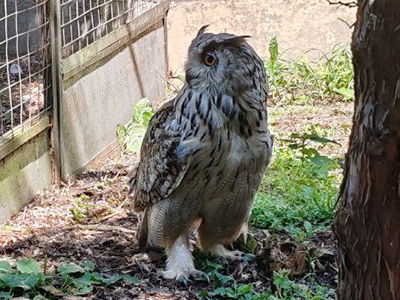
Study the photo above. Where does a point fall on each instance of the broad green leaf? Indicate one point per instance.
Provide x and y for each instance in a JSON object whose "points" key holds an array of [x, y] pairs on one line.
{"points": [[113, 279], [324, 161], [6, 295], [52, 290], [222, 278], [308, 226], [244, 289], [70, 268], [24, 281], [86, 279], [348, 94], [308, 191], [39, 297], [130, 279], [221, 291], [27, 266], [88, 266], [316, 138], [5, 267], [97, 277], [82, 290]]}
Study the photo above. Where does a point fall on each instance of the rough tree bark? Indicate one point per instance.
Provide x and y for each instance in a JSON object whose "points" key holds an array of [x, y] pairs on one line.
{"points": [[367, 224]]}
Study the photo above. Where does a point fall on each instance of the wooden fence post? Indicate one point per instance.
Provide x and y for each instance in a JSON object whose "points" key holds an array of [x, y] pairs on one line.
{"points": [[56, 60]]}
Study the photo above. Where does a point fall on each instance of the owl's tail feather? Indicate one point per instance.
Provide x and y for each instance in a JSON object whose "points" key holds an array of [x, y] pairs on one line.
{"points": [[143, 230]]}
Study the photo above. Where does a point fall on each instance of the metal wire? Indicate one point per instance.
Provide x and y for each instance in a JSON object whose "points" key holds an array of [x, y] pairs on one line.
{"points": [[24, 64], [86, 21]]}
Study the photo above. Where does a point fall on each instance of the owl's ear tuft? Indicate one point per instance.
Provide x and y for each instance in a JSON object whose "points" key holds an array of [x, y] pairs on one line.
{"points": [[236, 41], [202, 30]]}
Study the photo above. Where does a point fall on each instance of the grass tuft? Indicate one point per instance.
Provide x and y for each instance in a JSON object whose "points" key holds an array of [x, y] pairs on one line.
{"points": [[299, 191], [302, 81]]}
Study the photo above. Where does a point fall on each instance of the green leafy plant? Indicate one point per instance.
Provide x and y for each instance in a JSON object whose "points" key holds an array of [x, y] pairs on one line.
{"points": [[82, 209], [286, 289], [224, 286], [212, 269], [27, 278], [299, 80], [131, 135], [299, 192], [235, 291]]}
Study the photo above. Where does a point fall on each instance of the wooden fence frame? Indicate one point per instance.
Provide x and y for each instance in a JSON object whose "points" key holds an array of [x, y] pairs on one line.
{"points": [[64, 73]]}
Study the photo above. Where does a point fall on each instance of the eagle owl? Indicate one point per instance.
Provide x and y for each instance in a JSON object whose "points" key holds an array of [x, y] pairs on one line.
{"points": [[204, 154]]}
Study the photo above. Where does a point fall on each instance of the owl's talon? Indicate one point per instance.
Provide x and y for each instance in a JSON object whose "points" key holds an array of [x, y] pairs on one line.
{"points": [[183, 280], [223, 260], [183, 277], [199, 275]]}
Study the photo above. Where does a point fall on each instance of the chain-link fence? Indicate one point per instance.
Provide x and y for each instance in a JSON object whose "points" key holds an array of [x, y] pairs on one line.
{"points": [[25, 79]]}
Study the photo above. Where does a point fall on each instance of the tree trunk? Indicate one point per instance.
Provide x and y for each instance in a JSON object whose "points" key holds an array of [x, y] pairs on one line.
{"points": [[367, 224]]}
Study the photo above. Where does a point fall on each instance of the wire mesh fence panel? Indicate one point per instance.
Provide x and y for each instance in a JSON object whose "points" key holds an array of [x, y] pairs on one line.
{"points": [[86, 21], [25, 79]]}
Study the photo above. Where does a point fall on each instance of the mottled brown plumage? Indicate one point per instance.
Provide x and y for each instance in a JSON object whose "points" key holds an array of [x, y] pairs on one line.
{"points": [[204, 153]]}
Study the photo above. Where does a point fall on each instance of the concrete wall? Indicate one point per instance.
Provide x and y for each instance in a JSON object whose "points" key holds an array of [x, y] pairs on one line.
{"points": [[26, 21], [299, 25]]}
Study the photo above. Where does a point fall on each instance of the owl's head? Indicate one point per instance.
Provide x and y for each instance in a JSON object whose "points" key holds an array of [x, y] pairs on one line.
{"points": [[223, 63]]}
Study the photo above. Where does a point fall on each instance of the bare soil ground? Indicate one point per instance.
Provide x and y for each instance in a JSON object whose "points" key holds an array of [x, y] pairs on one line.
{"points": [[89, 219]]}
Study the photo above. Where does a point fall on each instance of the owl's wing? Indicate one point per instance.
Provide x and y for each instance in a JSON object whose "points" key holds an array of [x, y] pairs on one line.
{"points": [[160, 169]]}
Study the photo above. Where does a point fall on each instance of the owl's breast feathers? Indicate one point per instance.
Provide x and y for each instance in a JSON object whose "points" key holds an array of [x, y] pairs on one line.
{"points": [[197, 132]]}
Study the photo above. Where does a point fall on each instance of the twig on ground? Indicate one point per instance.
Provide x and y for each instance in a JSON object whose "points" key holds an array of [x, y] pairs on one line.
{"points": [[103, 228], [342, 3]]}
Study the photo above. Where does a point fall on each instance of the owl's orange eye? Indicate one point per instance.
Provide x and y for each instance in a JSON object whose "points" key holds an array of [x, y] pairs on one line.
{"points": [[209, 60]]}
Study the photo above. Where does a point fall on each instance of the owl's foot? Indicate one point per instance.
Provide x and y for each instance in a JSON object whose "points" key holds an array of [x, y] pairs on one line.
{"points": [[183, 276], [225, 254], [180, 264], [220, 250]]}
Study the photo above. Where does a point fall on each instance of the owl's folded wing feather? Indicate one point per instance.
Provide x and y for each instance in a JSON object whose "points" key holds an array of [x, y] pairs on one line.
{"points": [[159, 170]]}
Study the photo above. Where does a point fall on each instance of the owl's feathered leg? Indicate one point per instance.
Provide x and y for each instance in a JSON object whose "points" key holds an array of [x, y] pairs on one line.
{"points": [[180, 264], [213, 243]]}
